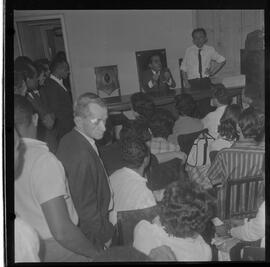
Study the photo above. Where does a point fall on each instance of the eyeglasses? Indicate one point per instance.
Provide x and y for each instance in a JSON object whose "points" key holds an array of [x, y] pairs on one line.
{"points": [[96, 121]]}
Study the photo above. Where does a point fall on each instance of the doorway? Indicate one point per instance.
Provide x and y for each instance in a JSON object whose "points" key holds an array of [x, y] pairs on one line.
{"points": [[40, 38]]}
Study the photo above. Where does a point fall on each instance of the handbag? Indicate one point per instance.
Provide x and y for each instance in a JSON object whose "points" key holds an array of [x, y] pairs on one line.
{"points": [[199, 153]]}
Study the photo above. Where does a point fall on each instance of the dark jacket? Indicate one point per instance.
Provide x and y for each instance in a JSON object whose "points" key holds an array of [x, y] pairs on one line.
{"points": [[161, 86], [88, 185], [60, 103]]}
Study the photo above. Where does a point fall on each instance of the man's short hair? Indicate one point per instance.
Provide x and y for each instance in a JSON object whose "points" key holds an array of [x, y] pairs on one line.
{"points": [[143, 104], [81, 106], [133, 152], [221, 94], [23, 111], [249, 123], [199, 30]]}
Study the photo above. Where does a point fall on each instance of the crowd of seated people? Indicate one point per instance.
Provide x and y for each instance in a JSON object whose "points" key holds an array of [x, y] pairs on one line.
{"points": [[71, 186]]}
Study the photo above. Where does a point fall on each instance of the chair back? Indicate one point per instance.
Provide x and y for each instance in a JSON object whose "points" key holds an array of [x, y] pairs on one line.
{"points": [[186, 141], [212, 156], [242, 197], [127, 220]]}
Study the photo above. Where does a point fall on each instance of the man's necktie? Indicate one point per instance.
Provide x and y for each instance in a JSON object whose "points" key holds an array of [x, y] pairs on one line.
{"points": [[200, 62]]}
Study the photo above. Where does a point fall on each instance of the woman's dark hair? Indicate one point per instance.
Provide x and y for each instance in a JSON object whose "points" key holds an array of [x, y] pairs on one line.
{"points": [[135, 129], [228, 130], [186, 105], [231, 112], [166, 115], [143, 105], [160, 127], [221, 94], [185, 209], [21, 61], [249, 123]]}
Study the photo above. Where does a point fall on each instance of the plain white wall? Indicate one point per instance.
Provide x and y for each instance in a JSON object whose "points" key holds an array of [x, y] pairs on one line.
{"points": [[101, 38]]}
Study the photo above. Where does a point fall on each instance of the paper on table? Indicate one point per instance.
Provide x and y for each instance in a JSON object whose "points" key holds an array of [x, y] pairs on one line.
{"points": [[234, 81]]}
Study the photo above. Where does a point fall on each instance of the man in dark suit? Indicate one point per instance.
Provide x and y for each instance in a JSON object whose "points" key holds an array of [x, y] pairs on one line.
{"points": [[157, 78], [58, 98], [88, 181]]}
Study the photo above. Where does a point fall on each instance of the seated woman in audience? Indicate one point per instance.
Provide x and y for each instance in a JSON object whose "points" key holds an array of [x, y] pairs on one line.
{"points": [[142, 107], [159, 145], [221, 100], [184, 212], [227, 128], [128, 183], [187, 121]]}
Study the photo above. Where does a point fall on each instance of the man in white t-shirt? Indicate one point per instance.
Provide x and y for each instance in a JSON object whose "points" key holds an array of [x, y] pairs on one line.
{"points": [[42, 197], [128, 183]]}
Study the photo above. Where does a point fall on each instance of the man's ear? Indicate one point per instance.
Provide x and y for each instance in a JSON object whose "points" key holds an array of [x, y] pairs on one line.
{"points": [[35, 119]]}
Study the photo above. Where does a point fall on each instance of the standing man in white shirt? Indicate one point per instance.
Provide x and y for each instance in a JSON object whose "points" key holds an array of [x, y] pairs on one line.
{"points": [[128, 183], [200, 63]]}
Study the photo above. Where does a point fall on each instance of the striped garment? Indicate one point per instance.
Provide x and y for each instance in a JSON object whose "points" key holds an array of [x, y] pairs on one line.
{"points": [[241, 160], [161, 145]]}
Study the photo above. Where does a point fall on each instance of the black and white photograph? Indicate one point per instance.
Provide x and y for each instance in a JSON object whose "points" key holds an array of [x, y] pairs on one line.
{"points": [[138, 134]]}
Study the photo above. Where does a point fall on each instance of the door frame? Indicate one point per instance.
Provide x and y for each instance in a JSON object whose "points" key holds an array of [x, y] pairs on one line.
{"points": [[48, 17]]}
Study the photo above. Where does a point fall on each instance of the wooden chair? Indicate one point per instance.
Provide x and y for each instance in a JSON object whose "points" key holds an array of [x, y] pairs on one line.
{"points": [[181, 74], [212, 156], [127, 220], [242, 196]]}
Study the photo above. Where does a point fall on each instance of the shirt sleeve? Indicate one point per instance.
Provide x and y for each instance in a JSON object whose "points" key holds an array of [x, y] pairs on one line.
{"points": [[252, 230], [145, 238], [146, 200], [217, 57], [48, 179], [184, 62]]}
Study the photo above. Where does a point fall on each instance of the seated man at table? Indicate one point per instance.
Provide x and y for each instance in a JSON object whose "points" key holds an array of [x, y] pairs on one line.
{"points": [[157, 78]]}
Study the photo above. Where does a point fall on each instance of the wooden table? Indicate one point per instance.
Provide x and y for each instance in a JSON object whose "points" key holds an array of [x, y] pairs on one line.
{"points": [[164, 100]]}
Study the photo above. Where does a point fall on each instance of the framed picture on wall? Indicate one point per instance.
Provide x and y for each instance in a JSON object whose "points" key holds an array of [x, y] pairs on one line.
{"points": [[107, 82], [143, 59]]}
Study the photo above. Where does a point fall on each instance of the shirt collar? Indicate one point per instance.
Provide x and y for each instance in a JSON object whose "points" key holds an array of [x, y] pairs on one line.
{"points": [[89, 139], [155, 72], [134, 175], [32, 141], [197, 48], [59, 81]]}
